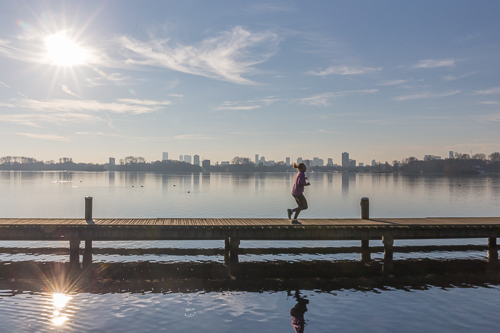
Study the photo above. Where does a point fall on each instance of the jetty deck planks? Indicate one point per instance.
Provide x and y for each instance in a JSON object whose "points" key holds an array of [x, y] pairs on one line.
{"points": [[428, 221]]}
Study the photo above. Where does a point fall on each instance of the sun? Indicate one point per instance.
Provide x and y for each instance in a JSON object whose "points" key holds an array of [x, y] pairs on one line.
{"points": [[62, 51]]}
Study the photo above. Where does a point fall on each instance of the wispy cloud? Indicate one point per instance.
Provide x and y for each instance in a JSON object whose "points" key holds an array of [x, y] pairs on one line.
{"points": [[489, 102], [227, 56], [6, 49], [145, 102], [248, 107], [68, 91], [34, 120], [252, 104], [175, 95], [124, 105], [345, 70], [324, 98], [469, 37], [426, 94], [149, 138], [52, 137], [495, 117], [113, 78], [453, 78], [3, 84], [490, 91], [430, 63], [392, 82]]}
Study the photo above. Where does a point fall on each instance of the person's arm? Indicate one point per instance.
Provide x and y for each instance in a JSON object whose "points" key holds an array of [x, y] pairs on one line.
{"points": [[302, 180]]}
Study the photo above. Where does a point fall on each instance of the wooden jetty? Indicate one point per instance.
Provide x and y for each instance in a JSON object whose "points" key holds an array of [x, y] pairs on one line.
{"points": [[233, 230]]}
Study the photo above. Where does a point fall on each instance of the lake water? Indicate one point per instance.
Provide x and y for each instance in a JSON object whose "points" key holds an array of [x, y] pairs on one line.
{"points": [[438, 285]]}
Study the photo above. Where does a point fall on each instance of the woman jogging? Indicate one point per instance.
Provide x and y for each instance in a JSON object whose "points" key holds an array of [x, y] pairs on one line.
{"points": [[298, 192]]}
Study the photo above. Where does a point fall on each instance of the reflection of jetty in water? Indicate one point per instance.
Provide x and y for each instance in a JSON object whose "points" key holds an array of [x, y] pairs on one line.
{"points": [[185, 277]]}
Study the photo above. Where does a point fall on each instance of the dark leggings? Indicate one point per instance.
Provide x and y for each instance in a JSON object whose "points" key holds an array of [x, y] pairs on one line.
{"points": [[302, 204]]}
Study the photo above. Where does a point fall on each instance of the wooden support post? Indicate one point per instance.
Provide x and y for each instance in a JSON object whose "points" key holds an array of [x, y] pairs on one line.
{"points": [[365, 208], [388, 254], [88, 209], [231, 246], [492, 253], [87, 253], [365, 250], [74, 252], [226, 250], [493, 256]]}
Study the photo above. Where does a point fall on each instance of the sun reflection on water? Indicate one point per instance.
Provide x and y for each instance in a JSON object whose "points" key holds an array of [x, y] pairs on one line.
{"points": [[59, 301]]}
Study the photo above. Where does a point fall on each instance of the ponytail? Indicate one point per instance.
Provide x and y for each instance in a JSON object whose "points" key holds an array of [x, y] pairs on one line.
{"points": [[298, 166]]}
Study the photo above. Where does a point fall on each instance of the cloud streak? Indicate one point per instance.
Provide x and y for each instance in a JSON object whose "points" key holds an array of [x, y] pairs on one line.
{"points": [[453, 78], [33, 120], [151, 138], [226, 56], [68, 91], [345, 70], [490, 91], [392, 82], [247, 105], [51, 137], [425, 95], [430, 63], [324, 98], [124, 105]]}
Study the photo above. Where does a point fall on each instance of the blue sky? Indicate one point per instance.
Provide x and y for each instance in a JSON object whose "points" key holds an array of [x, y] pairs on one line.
{"points": [[381, 80]]}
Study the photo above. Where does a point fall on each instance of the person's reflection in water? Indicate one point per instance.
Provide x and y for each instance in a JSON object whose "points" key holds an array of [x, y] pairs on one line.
{"points": [[297, 313]]}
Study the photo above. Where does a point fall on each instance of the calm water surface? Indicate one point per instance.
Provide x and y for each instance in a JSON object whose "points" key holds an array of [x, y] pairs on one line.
{"points": [[439, 286]]}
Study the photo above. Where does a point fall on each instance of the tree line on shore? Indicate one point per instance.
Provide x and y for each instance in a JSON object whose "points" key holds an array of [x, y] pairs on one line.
{"points": [[459, 164]]}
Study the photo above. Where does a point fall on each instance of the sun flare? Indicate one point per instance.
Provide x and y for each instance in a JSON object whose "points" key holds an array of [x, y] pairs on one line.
{"points": [[62, 51]]}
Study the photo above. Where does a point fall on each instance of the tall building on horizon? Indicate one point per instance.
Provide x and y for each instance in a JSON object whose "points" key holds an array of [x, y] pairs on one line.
{"points": [[181, 159], [196, 160], [330, 161], [345, 159], [256, 159], [205, 165], [299, 160], [164, 156], [450, 154], [187, 159], [112, 160], [287, 161]]}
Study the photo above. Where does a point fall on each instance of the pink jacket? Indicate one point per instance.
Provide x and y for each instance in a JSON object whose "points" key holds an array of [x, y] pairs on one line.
{"points": [[300, 182]]}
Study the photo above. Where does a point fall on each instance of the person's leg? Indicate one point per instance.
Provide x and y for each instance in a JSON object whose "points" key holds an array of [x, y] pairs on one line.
{"points": [[302, 204]]}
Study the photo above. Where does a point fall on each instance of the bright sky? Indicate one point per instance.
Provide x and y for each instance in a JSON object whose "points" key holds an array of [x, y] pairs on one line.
{"points": [[381, 80]]}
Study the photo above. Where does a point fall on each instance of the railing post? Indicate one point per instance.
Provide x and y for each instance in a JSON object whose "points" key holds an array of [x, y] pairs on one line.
{"points": [[88, 208], [365, 208]]}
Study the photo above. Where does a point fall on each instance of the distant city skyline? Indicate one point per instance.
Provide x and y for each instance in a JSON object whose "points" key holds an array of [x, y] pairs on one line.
{"points": [[344, 160], [380, 80]]}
